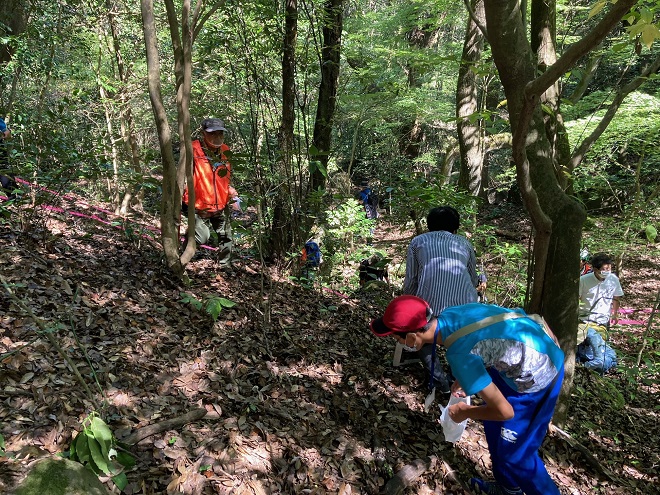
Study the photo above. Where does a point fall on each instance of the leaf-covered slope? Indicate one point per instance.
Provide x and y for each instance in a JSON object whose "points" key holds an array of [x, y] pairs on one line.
{"points": [[300, 398]]}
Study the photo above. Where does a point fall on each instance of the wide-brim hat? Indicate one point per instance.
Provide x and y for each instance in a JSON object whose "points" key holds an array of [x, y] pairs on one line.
{"points": [[212, 125]]}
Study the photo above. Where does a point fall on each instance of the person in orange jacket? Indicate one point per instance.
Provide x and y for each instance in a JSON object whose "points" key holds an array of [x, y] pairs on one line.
{"points": [[213, 194]]}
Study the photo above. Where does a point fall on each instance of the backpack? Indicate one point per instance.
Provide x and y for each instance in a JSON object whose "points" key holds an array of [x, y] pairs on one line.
{"points": [[372, 270], [595, 354], [311, 255]]}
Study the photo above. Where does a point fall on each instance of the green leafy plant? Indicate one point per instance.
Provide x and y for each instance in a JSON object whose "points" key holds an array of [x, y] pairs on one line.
{"points": [[346, 230], [507, 275], [96, 448], [213, 305], [414, 196]]}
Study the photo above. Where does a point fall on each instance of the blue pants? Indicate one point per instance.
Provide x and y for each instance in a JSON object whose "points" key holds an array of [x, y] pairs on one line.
{"points": [[514, 444]]}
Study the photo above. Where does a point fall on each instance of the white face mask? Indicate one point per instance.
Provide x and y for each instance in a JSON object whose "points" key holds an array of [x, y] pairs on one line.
{"points": [[605, 273]]}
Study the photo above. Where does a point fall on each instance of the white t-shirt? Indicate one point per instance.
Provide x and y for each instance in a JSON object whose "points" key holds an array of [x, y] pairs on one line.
{"points": [[596, 297]]}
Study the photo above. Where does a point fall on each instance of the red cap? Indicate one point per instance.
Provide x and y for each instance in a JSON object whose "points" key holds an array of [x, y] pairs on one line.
{"points": [[403, 314]]}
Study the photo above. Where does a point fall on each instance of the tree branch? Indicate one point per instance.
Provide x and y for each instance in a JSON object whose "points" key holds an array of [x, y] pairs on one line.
{"points": [[198, 25], [580, 48], [475, 19], [169, 424], [621, 94]]}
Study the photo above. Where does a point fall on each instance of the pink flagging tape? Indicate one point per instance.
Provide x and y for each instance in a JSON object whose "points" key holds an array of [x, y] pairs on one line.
{"points": [[631, 322], [628, 311], [85, 204], [95, 217]]}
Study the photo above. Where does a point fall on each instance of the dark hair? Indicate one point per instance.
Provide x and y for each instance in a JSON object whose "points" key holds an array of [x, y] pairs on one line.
{"points": [[430, 320], [443, 218], [600, 259]]}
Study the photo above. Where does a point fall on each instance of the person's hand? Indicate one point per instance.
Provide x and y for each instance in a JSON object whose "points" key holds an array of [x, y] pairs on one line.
{"points": [[614, 319], [458, 412], [457, 390]]}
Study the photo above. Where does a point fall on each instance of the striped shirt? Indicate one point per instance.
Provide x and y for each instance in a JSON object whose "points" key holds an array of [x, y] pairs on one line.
{"points": [[441, 269]]}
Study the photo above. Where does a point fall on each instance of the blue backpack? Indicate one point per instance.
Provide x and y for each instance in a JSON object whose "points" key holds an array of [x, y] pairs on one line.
{"points": [[311, 255], [370, 202]]}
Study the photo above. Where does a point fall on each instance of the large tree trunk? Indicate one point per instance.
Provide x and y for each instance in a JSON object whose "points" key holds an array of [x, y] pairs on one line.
{"points": [[182, 45], [327, 99], [282, 226], [13, 21], [470, 132], [543, 29], [557, 218]]}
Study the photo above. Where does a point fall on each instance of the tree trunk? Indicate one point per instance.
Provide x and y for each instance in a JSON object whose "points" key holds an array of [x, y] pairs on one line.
{"points": [[13, 21], [182, 45], [327, 99], [470, 133], [125, 115], [282, 226], [170, 210], [543, 27], [557, 218]]}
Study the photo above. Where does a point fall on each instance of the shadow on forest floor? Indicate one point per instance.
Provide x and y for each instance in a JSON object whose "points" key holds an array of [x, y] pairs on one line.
{"points": [[299, 397]]}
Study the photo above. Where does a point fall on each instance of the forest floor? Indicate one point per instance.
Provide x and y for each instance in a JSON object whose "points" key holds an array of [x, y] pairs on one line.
{"points": [[299, 398]]}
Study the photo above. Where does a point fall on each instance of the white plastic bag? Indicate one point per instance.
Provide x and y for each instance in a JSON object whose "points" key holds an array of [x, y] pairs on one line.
{"points": [[453, 431]]}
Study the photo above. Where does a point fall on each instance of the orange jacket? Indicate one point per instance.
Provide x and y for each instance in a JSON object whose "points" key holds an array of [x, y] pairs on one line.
{"points": [[211, 181]]}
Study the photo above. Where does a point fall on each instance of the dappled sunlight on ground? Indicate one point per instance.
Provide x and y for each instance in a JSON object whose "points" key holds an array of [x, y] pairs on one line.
{"points": [[299, 397]]}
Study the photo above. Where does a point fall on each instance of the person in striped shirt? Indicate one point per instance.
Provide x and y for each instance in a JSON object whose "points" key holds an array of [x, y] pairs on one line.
{"points": [[441, 268]]}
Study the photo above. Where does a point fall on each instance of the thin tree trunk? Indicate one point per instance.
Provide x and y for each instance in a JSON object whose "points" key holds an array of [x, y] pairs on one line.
{"points": [[170, 210], [125, 114], [543, 27], [557, 218], [182, 45], [113, 189]]}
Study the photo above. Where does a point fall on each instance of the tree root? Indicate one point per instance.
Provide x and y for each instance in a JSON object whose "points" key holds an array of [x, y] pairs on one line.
{"points": [[588, 456], [169, 424]]}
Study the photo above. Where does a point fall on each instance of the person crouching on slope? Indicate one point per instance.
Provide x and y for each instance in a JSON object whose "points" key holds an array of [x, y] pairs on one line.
{"points": [[211, 177], [506, 358]]}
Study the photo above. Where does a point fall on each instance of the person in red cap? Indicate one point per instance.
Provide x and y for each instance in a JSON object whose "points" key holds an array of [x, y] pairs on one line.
{"points": [[211, 177], [512, 361]]}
